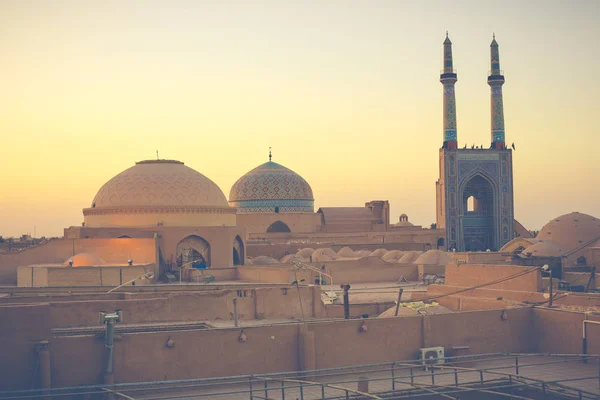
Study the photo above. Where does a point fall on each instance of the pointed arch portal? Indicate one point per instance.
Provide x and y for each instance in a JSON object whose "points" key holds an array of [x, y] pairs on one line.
{"points": [[193, 251], [278, 227], [478, 214]]}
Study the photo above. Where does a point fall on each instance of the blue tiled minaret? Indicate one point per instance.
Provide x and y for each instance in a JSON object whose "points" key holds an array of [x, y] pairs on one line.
{"points": [[496, 80], [448, 79]]}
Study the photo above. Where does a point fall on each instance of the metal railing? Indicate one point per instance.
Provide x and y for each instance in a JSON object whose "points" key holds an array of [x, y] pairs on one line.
{"points": [[501, 374]]}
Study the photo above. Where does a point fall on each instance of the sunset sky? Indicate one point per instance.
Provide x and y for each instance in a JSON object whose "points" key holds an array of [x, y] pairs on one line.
{"points": [[346, 93]]}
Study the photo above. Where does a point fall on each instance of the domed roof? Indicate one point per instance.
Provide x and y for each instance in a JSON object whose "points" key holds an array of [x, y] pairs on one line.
{"points": [[434, 257], [85, 260], [409, 257], [272, 187], [547, 248], [159, 183], [403, 221], [571, 231]]}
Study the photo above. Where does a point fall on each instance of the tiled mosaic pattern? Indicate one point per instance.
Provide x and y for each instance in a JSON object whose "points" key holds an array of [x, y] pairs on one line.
{"points": [[272, 187]]}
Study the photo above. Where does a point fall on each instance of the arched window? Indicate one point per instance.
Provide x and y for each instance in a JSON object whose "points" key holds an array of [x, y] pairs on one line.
{"points": [[238, 251], [278, 227], [440, 242], [581, 261], [471, 204]]}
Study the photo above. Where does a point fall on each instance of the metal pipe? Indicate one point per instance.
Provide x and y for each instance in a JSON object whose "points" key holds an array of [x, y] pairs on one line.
{"points": [[44, 362], [148, 275], [235, 313], [346, 301], [586, 321], [109, 320], [109, 344], [398, 302], [550, 304]]}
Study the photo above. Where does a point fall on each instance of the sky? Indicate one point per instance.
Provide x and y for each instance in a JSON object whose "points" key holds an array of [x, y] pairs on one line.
{"points": [[346, 93]]}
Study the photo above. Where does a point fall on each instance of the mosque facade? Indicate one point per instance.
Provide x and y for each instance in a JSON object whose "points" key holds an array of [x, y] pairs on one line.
{"points": [[475, 189], [185, 212]]}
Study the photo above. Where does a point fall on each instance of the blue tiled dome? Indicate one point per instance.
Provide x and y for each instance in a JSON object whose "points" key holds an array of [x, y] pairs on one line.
{"points": [[271, 187]]}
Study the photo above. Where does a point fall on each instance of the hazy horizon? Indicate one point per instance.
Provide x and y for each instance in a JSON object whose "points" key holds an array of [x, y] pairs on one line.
{"points": [[347, 94]]}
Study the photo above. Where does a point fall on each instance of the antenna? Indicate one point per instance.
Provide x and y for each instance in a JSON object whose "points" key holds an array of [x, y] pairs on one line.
{"points": [[157, 155]]}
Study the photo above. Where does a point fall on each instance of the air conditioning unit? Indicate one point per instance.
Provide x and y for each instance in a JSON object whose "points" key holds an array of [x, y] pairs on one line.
{"points": [[432, 356]]}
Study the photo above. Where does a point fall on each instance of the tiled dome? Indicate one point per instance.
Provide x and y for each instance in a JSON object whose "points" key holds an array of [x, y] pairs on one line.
{"points": [[159, 183], [271, 187]]}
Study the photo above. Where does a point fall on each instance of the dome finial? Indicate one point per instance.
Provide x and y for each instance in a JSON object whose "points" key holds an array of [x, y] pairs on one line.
{"points": [[270, 156]]}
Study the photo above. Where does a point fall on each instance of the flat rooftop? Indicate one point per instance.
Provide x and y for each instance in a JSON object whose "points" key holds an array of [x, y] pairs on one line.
{"points": [[489, 376]]}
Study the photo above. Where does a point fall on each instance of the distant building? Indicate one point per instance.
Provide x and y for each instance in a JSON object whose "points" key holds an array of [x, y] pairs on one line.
{"points": [[475, 189]]}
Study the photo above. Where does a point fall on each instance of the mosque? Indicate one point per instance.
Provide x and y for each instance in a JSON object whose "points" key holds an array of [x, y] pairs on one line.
{"points": [[163, 213], [475, 293], [193, 224]]}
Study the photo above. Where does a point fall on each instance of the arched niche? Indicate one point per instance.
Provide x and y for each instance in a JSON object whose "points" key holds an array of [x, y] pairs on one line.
{"points": [[440, 243], [238, 251], [278, 227], [477, 207], [193, 251]]}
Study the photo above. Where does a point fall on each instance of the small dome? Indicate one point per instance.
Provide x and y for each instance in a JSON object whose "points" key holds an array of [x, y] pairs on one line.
{"points": [[159, 183], [379, 253], [409, 257], [271, 187], [547, 248], [264, 260], [362, 253], [85, 260], [571, 231], [346, 252], [393, 255], [287, 259], [324, 254], [434, 257], [305, 252], [403, 221]]}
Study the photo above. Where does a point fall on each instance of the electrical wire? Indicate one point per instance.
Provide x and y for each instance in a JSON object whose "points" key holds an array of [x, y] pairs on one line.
{"points": [[517, 275]]}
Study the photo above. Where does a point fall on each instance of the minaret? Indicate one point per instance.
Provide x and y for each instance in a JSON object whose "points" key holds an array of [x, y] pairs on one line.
{"points": [[496, 80], [448, 79]]}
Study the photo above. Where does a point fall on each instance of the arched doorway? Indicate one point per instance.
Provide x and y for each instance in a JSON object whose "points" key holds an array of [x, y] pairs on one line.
{"points": [[193, 251], [478, 215], [278, 227], [238, 251], [440, 243], [518, 250]]}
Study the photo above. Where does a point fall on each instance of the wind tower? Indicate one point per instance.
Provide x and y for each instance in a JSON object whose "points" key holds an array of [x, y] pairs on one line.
{"points": [[448, 78], [496, 80]]}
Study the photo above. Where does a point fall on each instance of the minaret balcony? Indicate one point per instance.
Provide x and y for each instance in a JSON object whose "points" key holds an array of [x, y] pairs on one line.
{"points": [[496, 74], [450, 77]]}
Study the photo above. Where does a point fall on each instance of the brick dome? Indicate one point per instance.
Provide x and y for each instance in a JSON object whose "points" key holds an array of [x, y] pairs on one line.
{"points": [[159, 193], [159, 183]]}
